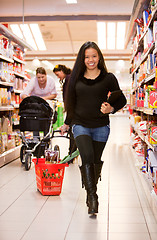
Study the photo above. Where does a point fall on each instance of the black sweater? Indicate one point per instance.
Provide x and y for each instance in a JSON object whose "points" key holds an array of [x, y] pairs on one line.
{"points": [[90, 94]]}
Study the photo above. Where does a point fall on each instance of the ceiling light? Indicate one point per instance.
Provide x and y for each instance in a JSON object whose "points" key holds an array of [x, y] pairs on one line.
{"points": [[38, 36], [16, 30], [111, 29], [120, 64], [28, 35], [101, 33], [71, 1], [36, 62], [121, 26]]}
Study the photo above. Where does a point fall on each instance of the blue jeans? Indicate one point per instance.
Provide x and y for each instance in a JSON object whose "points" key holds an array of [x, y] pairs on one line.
{"points": [[99, 134]]}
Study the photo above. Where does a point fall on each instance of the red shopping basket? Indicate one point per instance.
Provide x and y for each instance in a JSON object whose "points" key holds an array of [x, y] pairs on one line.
{"points": [[49, 176]]}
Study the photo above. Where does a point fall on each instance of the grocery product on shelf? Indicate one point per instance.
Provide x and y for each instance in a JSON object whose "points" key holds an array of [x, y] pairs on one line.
{"points": [[13, 78], [144, 91]]}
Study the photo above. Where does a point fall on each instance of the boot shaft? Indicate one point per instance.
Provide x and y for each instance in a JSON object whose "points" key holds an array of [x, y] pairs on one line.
{"points": [[98, 168], [88, 177], [97, 172]]}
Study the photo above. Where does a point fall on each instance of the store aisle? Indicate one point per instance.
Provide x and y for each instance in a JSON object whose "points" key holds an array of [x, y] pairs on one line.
{"points": [[124, 212]]}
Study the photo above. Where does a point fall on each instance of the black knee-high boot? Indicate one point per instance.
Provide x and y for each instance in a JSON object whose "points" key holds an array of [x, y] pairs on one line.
{"points": [[88, 177], [98, 150], [97, 169]]}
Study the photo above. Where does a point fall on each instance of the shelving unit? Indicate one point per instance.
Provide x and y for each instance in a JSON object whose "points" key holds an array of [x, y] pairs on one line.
{"points": [[16, 73], [144, 81], [9, 155]]}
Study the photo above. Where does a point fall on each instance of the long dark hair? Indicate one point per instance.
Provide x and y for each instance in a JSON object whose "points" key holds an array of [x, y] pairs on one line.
{"points": [[78, 71], [62, 68]]}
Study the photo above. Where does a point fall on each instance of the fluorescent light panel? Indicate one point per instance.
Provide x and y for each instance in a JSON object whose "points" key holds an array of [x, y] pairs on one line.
{"points": [[38, 36], [121, 27], [28, 35], [25, 32], [101, 31], [111, 28], [16, 30], [71, 1], [111, 35]]}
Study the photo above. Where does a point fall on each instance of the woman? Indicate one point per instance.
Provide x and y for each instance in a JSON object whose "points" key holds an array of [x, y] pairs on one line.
{"points": [[88, 111], [63, 73], [42, 86]]}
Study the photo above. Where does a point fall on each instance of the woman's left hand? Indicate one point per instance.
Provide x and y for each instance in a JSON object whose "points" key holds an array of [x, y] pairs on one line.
{"points": [[106, 108]]}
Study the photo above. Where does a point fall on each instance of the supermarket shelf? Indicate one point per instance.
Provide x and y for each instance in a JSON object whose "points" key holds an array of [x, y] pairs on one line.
{"points": [[11, 36], [6, 59], [17, 91], [149, 111], [153, 147], [7, 84], [9, 155], [144, 81], [146, 183], [16, 105], [153, 14], [144, 138], [21, 76], [6, 108], [14, 153], [149, 78], [141, 135], [19, 60], [144, 57]]}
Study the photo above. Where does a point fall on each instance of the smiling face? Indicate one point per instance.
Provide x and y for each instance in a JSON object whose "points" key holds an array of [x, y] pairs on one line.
{"points": [[91, 59], [42, 78]]}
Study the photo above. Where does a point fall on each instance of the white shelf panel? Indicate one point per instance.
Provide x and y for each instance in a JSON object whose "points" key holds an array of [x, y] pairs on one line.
{"points": [[9, 155], [7, 84], [19, 60], [6, 59], [6, 108], [17, 91]]}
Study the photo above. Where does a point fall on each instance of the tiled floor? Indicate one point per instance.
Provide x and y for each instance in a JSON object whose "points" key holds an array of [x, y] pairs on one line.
{"points": [[124, 212]]}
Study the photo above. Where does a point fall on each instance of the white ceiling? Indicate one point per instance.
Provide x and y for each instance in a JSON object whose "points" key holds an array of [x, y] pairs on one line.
{"points": [[59, 7], [66, 27]]}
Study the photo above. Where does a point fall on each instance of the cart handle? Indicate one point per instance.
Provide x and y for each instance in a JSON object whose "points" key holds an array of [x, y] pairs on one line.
{"points": [[59, 131]]}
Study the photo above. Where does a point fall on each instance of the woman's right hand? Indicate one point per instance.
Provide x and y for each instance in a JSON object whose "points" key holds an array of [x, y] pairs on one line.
{"points": [[64, 128]]}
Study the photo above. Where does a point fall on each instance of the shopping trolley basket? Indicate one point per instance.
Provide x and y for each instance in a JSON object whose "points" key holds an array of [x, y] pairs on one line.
{"points": [[49, 176]]}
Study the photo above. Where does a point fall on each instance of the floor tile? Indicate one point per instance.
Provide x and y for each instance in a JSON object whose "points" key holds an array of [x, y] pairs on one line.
{"points": [[128, 228], [153, 236], [124, 218], [129, 236], [86, 236]]}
